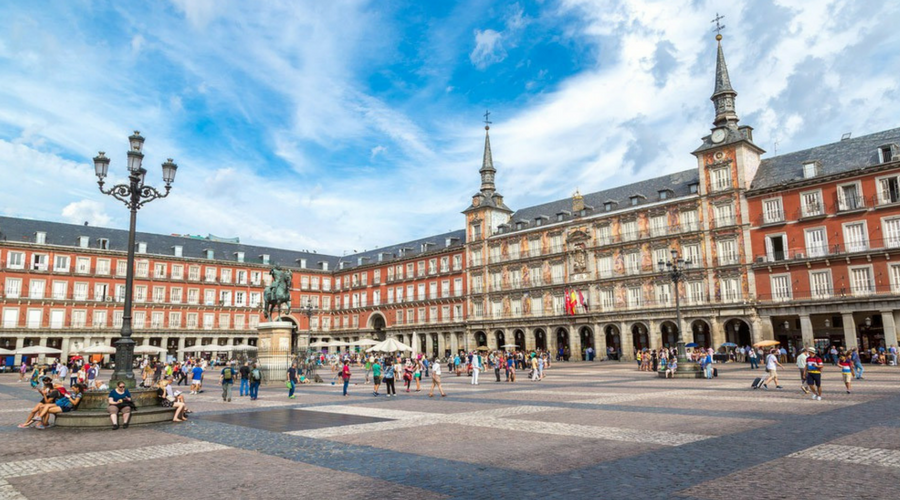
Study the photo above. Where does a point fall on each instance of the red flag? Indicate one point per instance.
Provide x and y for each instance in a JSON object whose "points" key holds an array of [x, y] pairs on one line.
{"points": [[581, 301]]}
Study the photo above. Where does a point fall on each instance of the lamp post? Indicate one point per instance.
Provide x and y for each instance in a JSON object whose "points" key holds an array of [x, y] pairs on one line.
{"points": [[135, 194], [309, 311], [675, 269]]}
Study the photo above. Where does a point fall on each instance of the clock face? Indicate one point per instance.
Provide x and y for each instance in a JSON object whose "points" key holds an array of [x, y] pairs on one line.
{"points": [[718, 135]]}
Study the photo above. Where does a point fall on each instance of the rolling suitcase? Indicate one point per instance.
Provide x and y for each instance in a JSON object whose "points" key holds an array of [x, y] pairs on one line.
{"points": [[757, 382], [715, 372]]}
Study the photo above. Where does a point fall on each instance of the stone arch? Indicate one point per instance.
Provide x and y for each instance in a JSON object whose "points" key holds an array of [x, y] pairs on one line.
{"points": [[614, 340], [640, 336], [540, 339], [586, 336], [668, 333], [701, 333], [295, 330], [738, 331], [480, 339], [519, 339], [377, 322], [499, 339], [561, 339]]}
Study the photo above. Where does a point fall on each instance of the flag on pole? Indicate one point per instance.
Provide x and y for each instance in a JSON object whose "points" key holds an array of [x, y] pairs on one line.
{"points": [[573, 301], [582, 301]]}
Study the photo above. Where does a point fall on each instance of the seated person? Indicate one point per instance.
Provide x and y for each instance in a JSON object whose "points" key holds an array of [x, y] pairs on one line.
{"points": [[171, 398], [49, 392], [65, 404], [670, 369], [120, 400]]}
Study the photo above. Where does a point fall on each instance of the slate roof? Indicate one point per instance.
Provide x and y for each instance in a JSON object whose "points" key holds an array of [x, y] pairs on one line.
{"points": [[61, 234], [677, 183], [834, 158], [414, 247]]}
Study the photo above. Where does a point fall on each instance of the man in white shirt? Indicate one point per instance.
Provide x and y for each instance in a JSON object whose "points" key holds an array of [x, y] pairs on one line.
{"points": [[801, 364], [63, 371], [772, 366]]}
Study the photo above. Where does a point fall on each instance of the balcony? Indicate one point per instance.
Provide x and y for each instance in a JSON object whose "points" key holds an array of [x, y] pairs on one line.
{"points": [[823, 251], [867, 292], [771, 217], [811, 210], [722, 222], [850, 203]]}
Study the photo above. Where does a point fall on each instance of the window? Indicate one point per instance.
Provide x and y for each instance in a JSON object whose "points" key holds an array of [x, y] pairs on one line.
{"points": [[689, 221], [142, 247], [159, 294], [15, 260], [57, 318], [607, 299], [891, 232], [39, 262], [810, 169], [662, 294], [226, 275], [888, 190], [811, 204], [159, 270], [476, 235], [849, 197], [720, 179], [663, 195], [142, 269], [40, 238], [886, 153], [820, 284], [856, 238], [457, 262], [633, 262], [693, 188], [776, 247], [781, 287], [156, 319], [727, 252], [210, 273], [604, 266], [83, 265], [432, 266], [432, 290], [174, 319], [861, 282], [724, 215], [209, 297], [634, 201], [99, 319], [537, 306], [457, 287], [61, 263], [557, 273], [36, 289], [691, 253], [13, 288], [101, 292], [772, 211], [731, 289], [139, 320], [604, 235], [556, 244], [694, 291], [81, 291], [140, 293], [104, 244], [103, 267], [10, 318], [34, 318], [608, 206], [445, 288], [175, 295], [816, 242], [209, 320], [658, 225], [660, 255], [58, 290], [635, 298], [894, 270], [629, 231]]}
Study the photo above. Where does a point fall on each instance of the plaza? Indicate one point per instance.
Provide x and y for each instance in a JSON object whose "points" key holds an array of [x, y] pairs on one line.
{"points": [[588, 430]]}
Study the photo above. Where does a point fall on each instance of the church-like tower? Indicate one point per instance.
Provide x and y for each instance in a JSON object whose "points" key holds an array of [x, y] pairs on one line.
{"points": [[487, 210]]}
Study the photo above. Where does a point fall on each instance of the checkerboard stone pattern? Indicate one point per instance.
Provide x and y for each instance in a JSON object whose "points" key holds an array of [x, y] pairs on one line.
{"points": [[588, 430]]}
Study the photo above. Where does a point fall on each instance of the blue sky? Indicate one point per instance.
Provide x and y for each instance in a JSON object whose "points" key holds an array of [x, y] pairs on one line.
{"points": [[345, 125]]}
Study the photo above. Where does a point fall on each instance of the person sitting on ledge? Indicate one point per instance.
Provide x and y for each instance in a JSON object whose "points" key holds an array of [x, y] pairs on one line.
{"points": [[49, 394], [170, 398], [65, 404], [120, 400], [672, 367]]}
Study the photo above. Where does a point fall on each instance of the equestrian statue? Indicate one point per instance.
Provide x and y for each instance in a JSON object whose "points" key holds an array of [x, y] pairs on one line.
{"points": [[278, 294]]}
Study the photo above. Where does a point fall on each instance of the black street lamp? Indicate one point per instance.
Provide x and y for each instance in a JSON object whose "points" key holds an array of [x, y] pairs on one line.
{"points": [[134, 195], [675, 269]]}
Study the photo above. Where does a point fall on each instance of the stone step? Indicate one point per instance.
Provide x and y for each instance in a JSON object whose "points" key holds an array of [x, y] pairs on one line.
{"points": [[97, 418]]}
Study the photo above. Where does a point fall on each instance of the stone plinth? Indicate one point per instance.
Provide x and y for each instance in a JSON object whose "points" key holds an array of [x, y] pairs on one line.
{"points": [[685, 370], [274, 350], [99, 400]]}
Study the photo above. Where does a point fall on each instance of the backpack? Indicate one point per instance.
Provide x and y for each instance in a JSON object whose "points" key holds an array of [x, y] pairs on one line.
{"points": [[255, 375], [228, 374]]}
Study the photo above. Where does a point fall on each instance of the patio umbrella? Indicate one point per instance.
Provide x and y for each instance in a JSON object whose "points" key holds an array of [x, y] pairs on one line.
{"points": [[149, 349], [483, 348], [729, 344], [100, 349], [244, 347], [507, 346], [766, 343], [319, 344], [389, 345], [6, 352], [692, 344], [38, 349], [362, 342]]}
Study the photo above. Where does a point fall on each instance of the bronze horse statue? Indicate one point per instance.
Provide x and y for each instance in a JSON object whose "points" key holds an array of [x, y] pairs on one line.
{"points": [[278, 293]]}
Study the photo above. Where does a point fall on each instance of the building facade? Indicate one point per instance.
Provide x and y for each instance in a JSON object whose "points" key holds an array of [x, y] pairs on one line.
{"points": [[800, 247]]}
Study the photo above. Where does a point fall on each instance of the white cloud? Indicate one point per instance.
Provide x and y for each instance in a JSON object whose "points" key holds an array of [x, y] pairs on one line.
{"points": [[90, 211], [488, 49], [377, 150]]}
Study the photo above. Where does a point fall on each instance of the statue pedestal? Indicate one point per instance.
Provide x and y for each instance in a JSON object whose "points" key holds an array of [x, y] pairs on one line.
{"points": [[274, 350]]}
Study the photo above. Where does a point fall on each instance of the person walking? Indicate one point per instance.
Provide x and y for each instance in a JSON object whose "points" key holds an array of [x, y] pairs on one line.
{"points": [[772, 365], [389, 377], [345, 375], [255, 379], [376, 375], [477, 366], [226, 379], [196, 379], [814, 375], [801, 364], [436, 379], [368, 366], [498, 360], [292, 380], [245, 380], [857, 363], [754, 360], [846, 371], [534, 367]]}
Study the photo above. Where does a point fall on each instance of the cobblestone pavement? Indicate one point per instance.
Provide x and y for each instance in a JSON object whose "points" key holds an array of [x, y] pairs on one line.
{"points": [[589, 430]]}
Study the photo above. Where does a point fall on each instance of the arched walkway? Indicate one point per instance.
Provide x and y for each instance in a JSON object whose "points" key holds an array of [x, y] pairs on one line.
{"points": [[614, 340], [500, 339], [701, 334], [295, 331], [639, 338], [668, 332], [377, 322], [563, 350], [519, 335], [540, 339], [586, 335], [480, 339], [737, 331]]}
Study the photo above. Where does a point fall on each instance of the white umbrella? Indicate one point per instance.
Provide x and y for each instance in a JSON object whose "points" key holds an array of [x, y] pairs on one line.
{"points": [[319, 344], [99, 349], [369, 342], [339, 344], [38, 349], [6, 352], [507, 346], [389, 345], [149, 349], [243, 347]]}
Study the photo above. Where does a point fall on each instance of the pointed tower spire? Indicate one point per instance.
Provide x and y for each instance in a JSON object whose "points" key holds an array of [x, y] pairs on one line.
{"points": [[487, 163], [723, 95]]}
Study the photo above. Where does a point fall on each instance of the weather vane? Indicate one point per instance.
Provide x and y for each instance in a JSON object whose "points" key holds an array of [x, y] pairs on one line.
{"points": [[719, 27], [487, 121]]}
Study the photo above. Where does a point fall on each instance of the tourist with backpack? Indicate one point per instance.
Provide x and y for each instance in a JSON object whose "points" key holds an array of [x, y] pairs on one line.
{"points": [[245, 379], [255, 379], [227, 380]]}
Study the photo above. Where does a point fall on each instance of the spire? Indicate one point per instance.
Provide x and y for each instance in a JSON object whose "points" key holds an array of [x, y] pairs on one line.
{"points": [[487, 163], [723, 95]]}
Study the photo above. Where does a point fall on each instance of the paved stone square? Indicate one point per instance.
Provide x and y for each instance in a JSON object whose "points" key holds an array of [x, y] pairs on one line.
{"points": [[588, 430]]}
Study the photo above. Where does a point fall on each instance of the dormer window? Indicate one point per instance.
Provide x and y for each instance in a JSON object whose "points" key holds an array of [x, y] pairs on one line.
{"points": [[538, 222], [83, 241], [663, 195], [560, 217], [520, 226], [810, 169], [239, 256], [142, 247], [693, 188], [178, 250], [210, 254], [608, 206], [265, 258], [104, 244], [324, 265], [40, 238], [635, 200], [888, 153]]}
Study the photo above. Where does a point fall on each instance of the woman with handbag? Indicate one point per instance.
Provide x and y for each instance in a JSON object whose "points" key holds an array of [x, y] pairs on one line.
{"points": [[168, 398], [120, 400]]}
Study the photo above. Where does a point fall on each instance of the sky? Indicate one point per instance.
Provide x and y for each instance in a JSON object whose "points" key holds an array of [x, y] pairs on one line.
{"points": [[342, 126]]}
